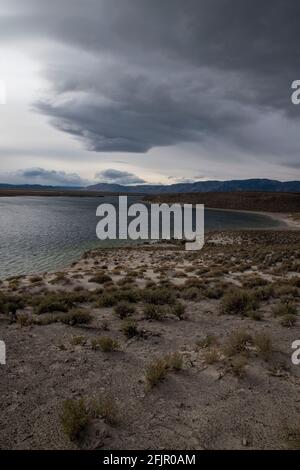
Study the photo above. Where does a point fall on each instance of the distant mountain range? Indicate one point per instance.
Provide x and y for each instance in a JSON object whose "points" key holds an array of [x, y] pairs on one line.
{"points": [[203, 186], [261, 185]]}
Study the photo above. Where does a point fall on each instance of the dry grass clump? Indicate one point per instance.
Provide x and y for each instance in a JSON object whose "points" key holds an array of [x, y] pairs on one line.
{"points": [[35, 279], [105, 344], [74, 418], [107, 299], [178, 309], [239, 302], [56, 302], [100, 278], [154, 312], [237, 343], [76, 415], [157, 370], [215, 292], [74, 317], [212, 355], [237, 365], [10, 302], [191, 293], [284, 308], [123, 309], [263, 344], [105, 407], [207, 341], [130, 329], [288, 320], [254, 281], [293, 439], [158, 296], [78, 341]]}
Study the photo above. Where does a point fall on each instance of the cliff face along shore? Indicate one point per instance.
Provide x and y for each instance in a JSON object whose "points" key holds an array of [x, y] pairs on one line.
{"points": [[154, 347]]}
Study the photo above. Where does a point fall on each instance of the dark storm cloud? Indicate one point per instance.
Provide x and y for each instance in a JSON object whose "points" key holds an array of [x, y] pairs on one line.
{"points": [[119, 177], [129, 75]]}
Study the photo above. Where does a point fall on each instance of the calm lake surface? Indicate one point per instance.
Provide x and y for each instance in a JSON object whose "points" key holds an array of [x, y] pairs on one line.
{"points": [[45, 233]]}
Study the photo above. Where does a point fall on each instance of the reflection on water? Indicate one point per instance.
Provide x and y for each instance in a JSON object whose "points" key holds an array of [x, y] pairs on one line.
{"points": [[40, 233]]}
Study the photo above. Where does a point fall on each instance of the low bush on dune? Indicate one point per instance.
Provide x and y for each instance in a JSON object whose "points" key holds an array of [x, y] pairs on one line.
{"points": [[100, 278], [9, 302]]}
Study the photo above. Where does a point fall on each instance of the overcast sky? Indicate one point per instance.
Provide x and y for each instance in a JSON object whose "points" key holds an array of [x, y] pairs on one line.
{"points": [[159, 91]]}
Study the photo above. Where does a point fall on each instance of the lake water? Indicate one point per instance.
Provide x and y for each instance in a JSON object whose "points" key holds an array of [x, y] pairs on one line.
{"points": [[43, 234]]}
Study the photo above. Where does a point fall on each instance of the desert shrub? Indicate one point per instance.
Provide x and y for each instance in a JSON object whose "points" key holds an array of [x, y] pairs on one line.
{"points": [[24, 320], [74, 418], [209, 340], [154, 312], [295, 281], [263, 344], [78, 341], [284, 308], [191, 293], [264, 293], [238, 302], [158, 296], [174, 361], [123, 309], [286, 292], [105, 407], [129, 295], [236, 343], [254, 281], [75, 317], [105, 343], [108, 299], [35, 279], [156, 371], [215, 292], [211, 356], [129, 328], [100, 278], [288, 320], [9, 302], [55, 302], [178, 309], [237, 365]]}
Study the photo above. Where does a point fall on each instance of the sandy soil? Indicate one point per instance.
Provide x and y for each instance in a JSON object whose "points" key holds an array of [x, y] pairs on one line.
{"points": [[205, 405]]}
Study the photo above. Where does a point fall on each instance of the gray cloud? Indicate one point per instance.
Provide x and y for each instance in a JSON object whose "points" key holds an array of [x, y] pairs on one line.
{"points": [[131, 75], [43, 177], [119, 177]]}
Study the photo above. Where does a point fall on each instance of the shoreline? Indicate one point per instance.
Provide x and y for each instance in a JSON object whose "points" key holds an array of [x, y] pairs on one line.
{"points": [[285, 218]]}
